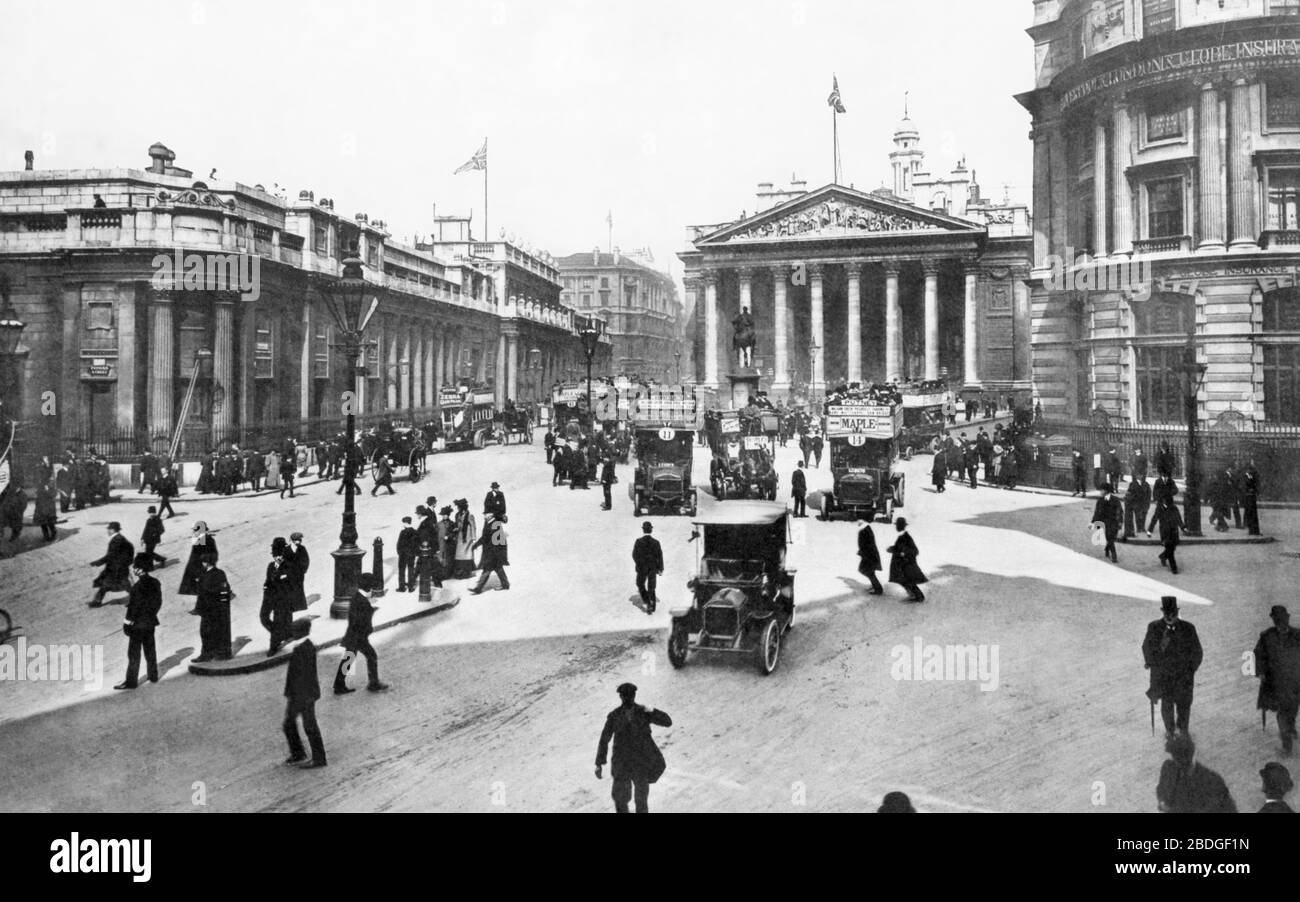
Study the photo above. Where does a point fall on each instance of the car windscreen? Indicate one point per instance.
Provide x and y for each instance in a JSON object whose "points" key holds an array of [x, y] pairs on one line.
{"points": [[654, 450], [745, 542], [874, 455]]}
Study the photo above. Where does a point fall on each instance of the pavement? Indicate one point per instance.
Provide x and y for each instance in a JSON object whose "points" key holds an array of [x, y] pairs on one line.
{"points": [[496, 704]]}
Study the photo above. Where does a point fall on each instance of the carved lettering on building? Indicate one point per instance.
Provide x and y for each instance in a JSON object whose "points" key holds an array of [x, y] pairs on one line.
{"points": [[1181, 60]]}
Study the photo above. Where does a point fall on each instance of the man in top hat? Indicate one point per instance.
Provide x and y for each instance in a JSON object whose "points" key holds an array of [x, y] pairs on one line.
{"points": [[277, 596], [494, 502], [869, 555], [648, 556], [1172, 652], [1277, 664], [140, 621], [1277, 783], [637, 760], [895, 803]]}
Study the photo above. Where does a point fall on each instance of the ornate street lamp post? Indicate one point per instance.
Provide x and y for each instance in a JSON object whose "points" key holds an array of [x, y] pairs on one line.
{"points": [[351, 302], [812, 372], [1194, 374], [590, 336]]}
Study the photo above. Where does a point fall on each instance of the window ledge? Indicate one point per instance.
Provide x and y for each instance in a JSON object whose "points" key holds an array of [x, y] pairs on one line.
{"points": [[1176, 244], [1276, 239]]}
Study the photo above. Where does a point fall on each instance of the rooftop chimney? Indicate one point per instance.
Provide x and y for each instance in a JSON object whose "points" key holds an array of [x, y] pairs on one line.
{"points": [[595, 256], [160, 156], [616, 255]]}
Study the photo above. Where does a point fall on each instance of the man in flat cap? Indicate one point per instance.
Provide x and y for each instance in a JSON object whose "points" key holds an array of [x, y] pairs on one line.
{"points": [[648, 556], [637, 760], [1277, 664], [1277, 783], [1172, 652]]}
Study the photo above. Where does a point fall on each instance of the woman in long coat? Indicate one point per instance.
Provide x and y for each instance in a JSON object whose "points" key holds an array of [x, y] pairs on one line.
{"points": [[446, 549], [202, 543], [207, 476], [1010, 468], [466, 536], [13, 504], [902, 565], [273, 470]]}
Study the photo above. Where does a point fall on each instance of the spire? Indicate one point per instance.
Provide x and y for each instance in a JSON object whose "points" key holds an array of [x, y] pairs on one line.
{"points": [[905, 93]]}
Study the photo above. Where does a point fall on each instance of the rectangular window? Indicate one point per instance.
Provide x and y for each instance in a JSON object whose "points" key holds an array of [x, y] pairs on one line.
{"points": [[1283, 104], [1160, 385], [1158, 16], [1284, 199], [1165, 120], [586, 300], [586, 283], [1165, 208], [604, 281], [263, 349], [1282, 383], [320, 367], [1082, 390]]}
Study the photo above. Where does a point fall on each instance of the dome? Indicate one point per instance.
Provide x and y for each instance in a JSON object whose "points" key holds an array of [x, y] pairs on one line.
{"points": [[906, 129]]}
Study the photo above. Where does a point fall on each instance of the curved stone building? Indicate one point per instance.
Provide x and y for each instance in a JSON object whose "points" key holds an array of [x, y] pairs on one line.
{"points": [[1166, 176]]}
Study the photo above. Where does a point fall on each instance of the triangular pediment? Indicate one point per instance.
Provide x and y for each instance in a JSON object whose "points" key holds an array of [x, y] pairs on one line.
{"points": [[834, 211]]}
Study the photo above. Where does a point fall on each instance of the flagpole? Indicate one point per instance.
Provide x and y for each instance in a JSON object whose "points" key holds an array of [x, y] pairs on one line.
{"points": [[835, 145], [487, 235]]}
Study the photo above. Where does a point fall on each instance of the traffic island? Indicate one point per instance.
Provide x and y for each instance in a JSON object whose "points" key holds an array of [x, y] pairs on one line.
{"points": [[394, 610]]}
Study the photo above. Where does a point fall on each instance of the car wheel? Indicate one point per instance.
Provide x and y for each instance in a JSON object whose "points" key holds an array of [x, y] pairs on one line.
{"points": [[826, 508], [789, 624], [636, 505], [889, 511], [907, 453], [479, 441], [678, 644], [769, 647]]}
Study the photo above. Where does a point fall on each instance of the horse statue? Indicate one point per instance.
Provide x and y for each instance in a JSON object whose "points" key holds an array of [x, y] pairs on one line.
{"points": [[743, 339]]}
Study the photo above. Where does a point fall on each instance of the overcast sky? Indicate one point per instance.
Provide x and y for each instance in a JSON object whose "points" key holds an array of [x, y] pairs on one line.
{"points": [[665, 112]]}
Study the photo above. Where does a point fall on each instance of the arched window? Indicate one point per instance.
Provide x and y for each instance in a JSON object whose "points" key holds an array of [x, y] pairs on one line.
{"points": [[1160, 389]]}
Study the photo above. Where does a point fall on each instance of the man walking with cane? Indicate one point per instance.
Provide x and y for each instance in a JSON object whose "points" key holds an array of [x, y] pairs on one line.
{"points": [[1172, 652]]}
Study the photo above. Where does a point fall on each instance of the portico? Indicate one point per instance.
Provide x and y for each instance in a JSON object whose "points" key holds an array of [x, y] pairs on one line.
{"points": [[846, 286]]}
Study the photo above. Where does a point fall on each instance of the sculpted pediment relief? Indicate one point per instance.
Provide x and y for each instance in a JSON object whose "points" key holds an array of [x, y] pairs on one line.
{"points": [[832, 218]]}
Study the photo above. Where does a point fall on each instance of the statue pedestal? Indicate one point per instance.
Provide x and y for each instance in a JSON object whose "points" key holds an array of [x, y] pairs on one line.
{"points": [[744, 383]]}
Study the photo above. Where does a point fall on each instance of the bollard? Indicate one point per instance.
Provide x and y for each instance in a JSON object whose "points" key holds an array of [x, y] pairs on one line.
{"points": [[426, 569], [378, 570]]}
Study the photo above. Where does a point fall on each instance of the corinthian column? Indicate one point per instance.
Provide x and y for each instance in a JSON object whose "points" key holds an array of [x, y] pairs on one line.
{"points": [[710, 280], [223, 369], [1098, 193], [893, 325], [781, 347], [1241, 175], [162, 363], [970, 340], [854, 273], [1122, 240], [1210, 184], [931, 319], [818, 328]]}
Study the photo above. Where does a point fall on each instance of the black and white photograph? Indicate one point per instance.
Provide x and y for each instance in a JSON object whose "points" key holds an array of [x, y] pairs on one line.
{"points": [[690, 408]]}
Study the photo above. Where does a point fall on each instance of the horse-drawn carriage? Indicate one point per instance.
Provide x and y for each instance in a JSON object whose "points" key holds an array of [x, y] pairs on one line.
{"points": [[513, 422], [404, 446]]}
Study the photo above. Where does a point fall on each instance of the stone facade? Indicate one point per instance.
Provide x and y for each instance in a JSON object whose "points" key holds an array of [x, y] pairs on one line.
{"points": [[122, 275], [1166, 173], [639, 303]]}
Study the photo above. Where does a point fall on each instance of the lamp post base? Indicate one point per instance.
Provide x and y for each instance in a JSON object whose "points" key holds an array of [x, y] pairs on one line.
{"points": [[348, 563]]}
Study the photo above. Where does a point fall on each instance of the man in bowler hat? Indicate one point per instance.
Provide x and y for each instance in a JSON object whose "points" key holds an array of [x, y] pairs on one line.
{"points": [[1172, 652], [140, 621], [648, 556], [637, 760]]}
